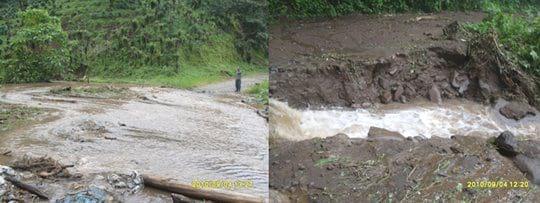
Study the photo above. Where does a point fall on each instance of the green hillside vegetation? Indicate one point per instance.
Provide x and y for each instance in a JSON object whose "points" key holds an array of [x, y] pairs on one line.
{"points": [[178, 43]]}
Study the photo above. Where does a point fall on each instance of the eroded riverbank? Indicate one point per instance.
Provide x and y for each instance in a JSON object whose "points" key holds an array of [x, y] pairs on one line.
{"points": [[399, 107]]}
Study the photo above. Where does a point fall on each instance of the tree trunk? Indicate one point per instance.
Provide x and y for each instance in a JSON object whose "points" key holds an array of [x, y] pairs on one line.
{"points": [[189, 191]]}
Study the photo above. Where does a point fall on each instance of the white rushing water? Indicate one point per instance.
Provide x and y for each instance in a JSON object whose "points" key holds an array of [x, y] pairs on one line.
{"points": [[418, 119]]}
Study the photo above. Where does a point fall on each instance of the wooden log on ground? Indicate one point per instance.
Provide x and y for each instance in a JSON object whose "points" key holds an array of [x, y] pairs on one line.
{"points": [[189, 191], [27, 187]]}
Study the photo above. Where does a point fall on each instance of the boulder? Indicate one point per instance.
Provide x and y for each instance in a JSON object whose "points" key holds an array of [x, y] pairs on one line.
{"points": [[507, 144], [516, 111], [383, 134], [460, 83], [530, 166], [524, 154], [386, 96]]}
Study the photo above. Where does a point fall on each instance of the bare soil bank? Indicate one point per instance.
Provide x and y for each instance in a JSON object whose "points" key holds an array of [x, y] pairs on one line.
{"points": [[360, 60]]}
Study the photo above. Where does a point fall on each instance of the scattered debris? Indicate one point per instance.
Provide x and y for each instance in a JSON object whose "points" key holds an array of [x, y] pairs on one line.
{"points": [[45, 167], [94, 92], [92, 194], [132, 182], [27, 187]]}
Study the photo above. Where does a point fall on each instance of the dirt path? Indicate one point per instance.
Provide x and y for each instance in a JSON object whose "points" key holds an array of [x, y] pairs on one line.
{"points": [[365, 36], [178, 134], [228, 86]]}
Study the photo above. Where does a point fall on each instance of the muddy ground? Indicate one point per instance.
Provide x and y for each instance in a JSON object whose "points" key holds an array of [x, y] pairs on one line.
{"points": [[95, 137], [365, 61], [341, 169]]}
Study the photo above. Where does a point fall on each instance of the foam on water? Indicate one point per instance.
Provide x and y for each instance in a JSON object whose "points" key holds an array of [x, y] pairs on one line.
{"points": [[418, 119]]}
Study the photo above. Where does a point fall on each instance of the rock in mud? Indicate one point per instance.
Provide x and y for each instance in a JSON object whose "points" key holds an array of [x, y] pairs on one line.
{"points": [[398, 93], [386, 96], [451, 30], [460, 82], [393, 71], [340, 139], [435, 94], [517, 111], [507, 144], [526, 155], [529, 166], [383, 134]]}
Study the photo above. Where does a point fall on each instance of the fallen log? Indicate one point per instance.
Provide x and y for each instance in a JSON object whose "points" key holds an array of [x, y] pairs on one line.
{"points": [[27, 187], [192, 192]]}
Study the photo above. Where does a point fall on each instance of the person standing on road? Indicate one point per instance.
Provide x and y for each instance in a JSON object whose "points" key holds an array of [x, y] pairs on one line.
{"points": [[238, 80]]}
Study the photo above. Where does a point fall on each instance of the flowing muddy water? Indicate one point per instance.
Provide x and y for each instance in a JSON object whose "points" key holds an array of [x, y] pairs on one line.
{"points": [[172, 133], [422, 118]]}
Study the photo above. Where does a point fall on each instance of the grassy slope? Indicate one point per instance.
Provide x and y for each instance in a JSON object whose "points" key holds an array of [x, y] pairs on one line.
{"points": [[205, 60]]}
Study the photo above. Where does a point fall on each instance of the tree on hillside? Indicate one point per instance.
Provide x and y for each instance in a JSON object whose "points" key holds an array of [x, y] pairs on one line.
{"points": [[38, 50]]}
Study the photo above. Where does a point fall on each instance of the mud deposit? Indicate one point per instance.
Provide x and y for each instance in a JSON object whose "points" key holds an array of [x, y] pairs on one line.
{"points": [[395, 107], [175, 134], [342, 169]]}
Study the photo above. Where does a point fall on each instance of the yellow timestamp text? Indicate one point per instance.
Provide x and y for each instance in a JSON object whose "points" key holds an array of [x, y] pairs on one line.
{"points": [[497, 184], [222, 184]]}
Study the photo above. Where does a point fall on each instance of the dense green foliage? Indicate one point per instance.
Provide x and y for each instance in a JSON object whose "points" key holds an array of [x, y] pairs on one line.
{"points": [[518, 33], [38, 50], [180, 43], [316, 8]]}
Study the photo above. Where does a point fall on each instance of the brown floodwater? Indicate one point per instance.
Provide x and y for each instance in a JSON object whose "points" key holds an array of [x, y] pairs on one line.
{"points": [[419, 118], [177, 134]]}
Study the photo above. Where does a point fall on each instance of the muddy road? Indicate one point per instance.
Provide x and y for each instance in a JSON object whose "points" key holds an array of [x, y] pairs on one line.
{"points": [[177, 134], [399, 107]]}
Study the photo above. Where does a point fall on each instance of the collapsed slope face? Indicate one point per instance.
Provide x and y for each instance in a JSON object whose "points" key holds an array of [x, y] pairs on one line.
{"points": [[447, 66], [446, 72]]}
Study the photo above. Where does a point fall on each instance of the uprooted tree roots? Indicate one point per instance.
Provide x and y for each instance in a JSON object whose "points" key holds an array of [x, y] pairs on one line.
{"points": [[44, 167], [495, 72]]}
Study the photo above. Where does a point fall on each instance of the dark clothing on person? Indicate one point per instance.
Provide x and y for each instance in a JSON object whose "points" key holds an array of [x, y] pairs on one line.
{"points": [[238, 81]]}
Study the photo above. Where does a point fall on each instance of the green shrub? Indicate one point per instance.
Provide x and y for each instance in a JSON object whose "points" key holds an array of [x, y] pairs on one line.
{"points": [[518, 34], [37, 50]]}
